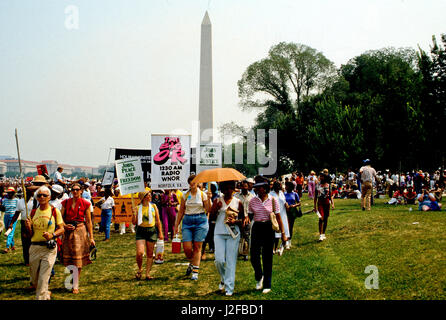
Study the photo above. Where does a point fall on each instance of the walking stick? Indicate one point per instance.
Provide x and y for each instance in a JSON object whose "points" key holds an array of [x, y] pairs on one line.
{"points": [[21, 173]]}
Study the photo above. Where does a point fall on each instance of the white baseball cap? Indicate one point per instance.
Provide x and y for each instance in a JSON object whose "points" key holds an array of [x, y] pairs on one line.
{"points": [[57, 188]]}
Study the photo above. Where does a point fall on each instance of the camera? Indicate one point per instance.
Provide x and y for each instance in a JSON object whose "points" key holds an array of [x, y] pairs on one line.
{"points": [[51, 244], [73, 223]]}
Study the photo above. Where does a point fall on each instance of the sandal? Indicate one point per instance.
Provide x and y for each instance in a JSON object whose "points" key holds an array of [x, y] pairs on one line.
{"points": [[138, 275], [148, 278]]}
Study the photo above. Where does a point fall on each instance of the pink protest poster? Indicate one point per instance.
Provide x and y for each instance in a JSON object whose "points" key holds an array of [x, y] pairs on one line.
{"points": [[171, 161]]}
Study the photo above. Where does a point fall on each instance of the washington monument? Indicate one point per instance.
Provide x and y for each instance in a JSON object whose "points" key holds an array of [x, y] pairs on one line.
{"points": [[205, 99]]}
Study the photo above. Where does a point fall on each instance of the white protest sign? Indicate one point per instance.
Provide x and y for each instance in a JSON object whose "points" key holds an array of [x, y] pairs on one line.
{"points": [[109, 175], [130, 175], [209, 156], [171, 160]]}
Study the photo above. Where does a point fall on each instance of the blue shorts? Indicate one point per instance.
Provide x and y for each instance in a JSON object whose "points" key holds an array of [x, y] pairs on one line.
{"points": [[195, 227]]}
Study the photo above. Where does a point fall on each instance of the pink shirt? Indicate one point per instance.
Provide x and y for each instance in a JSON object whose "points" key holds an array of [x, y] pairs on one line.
{"points": [[261, 209]]}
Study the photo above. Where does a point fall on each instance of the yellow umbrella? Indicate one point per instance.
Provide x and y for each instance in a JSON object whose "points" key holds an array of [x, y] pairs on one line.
{"points": [[218, 175]]}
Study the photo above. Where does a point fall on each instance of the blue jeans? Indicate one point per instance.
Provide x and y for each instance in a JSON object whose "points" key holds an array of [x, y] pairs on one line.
{"points": [[7, 221], [226, 251], [195, 227], [106, 216]]}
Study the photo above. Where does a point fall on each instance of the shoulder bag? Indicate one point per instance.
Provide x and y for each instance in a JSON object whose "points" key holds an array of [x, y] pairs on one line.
{"points": [[272, 215]]}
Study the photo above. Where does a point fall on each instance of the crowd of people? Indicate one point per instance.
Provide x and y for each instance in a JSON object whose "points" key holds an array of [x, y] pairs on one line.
{"points": [[252, 219]]}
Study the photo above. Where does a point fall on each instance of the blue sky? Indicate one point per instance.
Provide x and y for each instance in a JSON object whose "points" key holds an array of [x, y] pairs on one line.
{"points": [[132, 67]]}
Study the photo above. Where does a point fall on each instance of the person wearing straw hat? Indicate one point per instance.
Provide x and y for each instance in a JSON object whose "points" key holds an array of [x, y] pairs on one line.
{"points": [[10, 205], [39, 181], [147, 221]]}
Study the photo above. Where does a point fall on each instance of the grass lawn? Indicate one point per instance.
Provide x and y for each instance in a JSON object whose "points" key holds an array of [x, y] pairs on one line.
{"points": [[411, 260]]}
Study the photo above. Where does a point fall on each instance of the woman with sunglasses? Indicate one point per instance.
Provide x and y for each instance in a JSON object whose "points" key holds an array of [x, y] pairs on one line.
{"points": [[45, 224], [76, 244]]}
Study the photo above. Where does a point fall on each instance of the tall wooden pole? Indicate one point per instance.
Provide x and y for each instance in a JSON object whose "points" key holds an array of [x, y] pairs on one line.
{"points": [[21, 173]]}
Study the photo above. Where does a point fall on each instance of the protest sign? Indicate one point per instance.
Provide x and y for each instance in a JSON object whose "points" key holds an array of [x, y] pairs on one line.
{"points": [[42, 170], [171, 162], [123, 210], [109, 176], [209, 156], [143, 154], [130, 175]]}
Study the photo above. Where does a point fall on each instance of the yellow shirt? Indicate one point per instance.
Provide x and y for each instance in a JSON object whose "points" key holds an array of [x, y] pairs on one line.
{"points": [[179, 196], [41, 223], [145, 216]]}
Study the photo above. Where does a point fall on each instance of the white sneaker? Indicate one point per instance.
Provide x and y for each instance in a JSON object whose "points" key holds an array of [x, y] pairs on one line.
{"points": [[266, 290], [288, 245], [229, 294], [194, 276], [221, 286], [259, 284], [323, 236], [280, 251]]}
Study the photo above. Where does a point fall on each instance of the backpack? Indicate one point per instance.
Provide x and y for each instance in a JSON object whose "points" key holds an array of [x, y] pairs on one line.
{"points": [[29, 233]]}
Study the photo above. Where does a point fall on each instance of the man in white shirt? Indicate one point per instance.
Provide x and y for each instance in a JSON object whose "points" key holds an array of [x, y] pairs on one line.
{"points": [[58, 179], [368, 175]]}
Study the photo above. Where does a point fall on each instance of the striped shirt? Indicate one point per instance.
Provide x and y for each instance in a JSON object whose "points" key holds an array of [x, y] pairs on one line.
{"points": [[10, 205], [261, 210]]}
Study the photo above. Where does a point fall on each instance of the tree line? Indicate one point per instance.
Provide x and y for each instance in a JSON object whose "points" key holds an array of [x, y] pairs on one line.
{"points": [[388, 105]]}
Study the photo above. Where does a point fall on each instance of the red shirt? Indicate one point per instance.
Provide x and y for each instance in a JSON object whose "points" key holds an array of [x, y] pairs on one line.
{"points": [[78, 214]]}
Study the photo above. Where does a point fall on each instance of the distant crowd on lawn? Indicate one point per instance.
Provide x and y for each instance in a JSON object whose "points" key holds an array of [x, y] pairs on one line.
{"points": [[405, 187], [251, 218]]}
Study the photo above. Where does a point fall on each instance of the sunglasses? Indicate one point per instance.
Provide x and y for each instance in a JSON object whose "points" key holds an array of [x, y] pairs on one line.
{"points": [[42, 195], [75, 189]]}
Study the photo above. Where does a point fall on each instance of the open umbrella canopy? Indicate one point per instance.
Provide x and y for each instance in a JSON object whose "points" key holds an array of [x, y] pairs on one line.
{"points": [[218, 175]]}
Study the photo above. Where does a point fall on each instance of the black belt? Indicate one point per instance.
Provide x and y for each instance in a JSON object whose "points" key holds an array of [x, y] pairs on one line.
{"points": [[41, 243]]}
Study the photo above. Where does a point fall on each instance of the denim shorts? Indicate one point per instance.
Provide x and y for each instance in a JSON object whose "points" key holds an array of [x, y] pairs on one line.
{"points": [[195, 227]]}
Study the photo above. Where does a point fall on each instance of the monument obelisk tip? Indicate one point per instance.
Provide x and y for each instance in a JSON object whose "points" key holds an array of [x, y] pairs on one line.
{"points": [[206, 19]]}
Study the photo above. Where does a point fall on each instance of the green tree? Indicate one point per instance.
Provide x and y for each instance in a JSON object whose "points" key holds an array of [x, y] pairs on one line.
{"points": [[385, 86], [433, 70], [278, 85]]}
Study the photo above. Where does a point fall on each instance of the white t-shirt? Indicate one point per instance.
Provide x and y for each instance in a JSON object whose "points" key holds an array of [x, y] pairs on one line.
{"points": [[57, 176], [193, 204], [21, 208], [351, 176], [108, 204], [56, 203]]}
